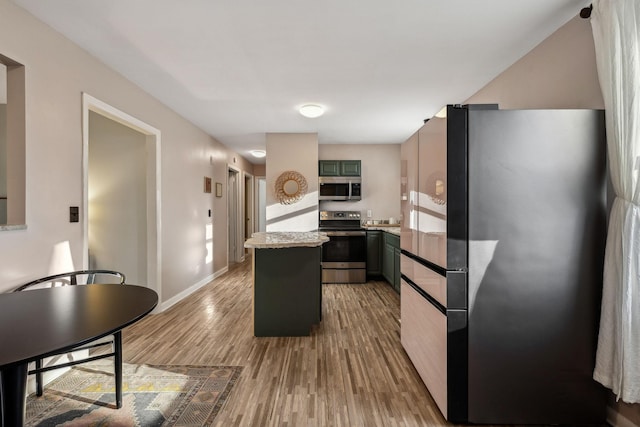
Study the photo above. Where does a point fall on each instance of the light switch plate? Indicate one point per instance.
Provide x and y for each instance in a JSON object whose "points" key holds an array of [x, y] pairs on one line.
{"points": [[74, 214]]}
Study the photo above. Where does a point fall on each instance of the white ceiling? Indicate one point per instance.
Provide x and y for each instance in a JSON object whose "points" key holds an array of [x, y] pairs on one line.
{"points": [[240, 68]]}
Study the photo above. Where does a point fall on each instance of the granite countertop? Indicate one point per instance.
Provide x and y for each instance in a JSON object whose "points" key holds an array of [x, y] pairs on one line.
{"points": [[286, 239]]}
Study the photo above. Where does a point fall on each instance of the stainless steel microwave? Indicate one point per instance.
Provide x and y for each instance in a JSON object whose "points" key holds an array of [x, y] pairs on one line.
{"points": [[340, 188]]}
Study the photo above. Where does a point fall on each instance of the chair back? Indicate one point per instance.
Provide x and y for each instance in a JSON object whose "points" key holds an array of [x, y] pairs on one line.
{"points": [[72, 278]]}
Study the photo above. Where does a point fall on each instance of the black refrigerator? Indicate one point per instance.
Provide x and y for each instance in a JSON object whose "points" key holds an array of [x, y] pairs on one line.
{"points": [[502, 236]]}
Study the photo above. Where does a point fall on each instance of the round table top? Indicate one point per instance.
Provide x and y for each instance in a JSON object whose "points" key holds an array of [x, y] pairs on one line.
{"points": [[40, 322]]}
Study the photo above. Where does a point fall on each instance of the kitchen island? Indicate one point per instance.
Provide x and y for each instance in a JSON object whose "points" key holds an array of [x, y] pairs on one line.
{"points": [[287, 289]]}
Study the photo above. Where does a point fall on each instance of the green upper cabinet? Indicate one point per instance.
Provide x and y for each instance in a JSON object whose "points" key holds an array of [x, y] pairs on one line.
{"points": [[329, 167], [339, 167], [350, 167]]}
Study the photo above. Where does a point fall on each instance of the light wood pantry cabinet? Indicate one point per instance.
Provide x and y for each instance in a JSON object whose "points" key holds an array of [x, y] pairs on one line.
{"points": [[409, 194], [432, 191], [424, 336]]}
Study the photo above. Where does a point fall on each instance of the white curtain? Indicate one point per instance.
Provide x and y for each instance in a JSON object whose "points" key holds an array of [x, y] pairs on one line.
{"points": [[616, 33]]}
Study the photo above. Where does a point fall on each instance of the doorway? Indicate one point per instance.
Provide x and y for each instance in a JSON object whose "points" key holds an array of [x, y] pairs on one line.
{"points": [[261, 203], [235, 252], [117, 212], [121, 195], [249, 223]]}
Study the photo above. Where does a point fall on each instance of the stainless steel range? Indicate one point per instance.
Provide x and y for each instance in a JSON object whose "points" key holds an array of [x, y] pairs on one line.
{"points": [[344, 256]]}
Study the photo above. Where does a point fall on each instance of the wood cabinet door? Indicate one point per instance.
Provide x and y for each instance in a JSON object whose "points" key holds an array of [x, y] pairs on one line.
{"points": [[387, 262], [424, 337], [374, 245], [396, 269], [350, 168], [329, 167], [409, 194]]}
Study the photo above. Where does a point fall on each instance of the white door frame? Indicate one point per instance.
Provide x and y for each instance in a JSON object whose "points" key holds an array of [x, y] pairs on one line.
{"points": [[238, 227], [256, 201], [153, 137], [249, 205]]}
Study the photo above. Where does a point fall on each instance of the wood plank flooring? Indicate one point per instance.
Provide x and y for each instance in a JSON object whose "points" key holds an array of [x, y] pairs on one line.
{"points": [[351, 371]]}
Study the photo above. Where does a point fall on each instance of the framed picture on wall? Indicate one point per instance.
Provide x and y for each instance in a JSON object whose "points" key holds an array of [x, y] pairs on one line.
{"points": [[207, 184]]}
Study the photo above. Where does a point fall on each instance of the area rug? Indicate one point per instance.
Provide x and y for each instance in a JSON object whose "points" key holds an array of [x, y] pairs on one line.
{"points": [[153, 395]]}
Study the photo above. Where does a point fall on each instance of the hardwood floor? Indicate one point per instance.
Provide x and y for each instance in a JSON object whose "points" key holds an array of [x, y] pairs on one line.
{"points": [[351, 371]]}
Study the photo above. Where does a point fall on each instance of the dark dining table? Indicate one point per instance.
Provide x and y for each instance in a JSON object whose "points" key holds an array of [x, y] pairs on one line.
{"points": [[38, 323]]}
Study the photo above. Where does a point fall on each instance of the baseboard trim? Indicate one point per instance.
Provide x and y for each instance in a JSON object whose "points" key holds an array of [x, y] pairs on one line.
{"points": [[220, 272], [191, 289], [616, 419]]}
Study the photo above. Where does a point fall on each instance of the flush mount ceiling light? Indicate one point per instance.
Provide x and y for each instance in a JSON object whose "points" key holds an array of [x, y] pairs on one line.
{"points": [[258, 153], [311, 110]]}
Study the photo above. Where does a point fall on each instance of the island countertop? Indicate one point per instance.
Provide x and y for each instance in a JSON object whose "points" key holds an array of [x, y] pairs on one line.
{"points": [[286, 239]]}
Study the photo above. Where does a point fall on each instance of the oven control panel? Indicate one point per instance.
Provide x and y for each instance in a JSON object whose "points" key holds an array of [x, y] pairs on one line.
{"points": [[329, 215]]}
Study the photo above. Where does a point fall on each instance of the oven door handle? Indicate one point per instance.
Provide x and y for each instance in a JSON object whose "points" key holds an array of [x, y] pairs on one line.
{"points": [[346, 233]]}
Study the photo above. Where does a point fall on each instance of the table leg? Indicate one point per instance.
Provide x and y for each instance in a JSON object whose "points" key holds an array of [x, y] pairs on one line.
{"points": [[117, 359], [13, 389]]}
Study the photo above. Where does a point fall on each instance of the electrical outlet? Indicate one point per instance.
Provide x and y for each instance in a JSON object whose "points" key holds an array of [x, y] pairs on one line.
{"points": [[369, 214]]}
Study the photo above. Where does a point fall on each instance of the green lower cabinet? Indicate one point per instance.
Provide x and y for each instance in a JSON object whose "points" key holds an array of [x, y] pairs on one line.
{"points": [[391, 260], [388, 268], [287, 291], [374, 257], [396, 266]]}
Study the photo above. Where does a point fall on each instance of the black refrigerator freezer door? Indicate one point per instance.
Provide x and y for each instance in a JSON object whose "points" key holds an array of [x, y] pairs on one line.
{"points": [[537, 229]]}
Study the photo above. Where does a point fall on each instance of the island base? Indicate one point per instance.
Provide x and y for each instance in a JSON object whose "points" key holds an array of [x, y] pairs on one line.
{"points": [[287, 291]]}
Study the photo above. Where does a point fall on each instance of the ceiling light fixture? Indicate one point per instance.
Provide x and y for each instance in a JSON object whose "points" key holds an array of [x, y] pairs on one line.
{"points": [[311, 110], [258, 153]]}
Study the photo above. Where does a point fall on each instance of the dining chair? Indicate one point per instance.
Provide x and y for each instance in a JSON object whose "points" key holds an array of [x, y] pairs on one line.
{"points": [[74, 278]]}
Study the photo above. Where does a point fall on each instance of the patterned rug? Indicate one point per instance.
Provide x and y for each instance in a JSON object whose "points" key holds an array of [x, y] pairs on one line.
{"points": [[153, 395]]}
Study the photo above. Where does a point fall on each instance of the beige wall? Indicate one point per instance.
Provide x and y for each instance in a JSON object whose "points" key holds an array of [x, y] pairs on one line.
{"points": [[259, 170], [54, 161], [558, 73], [380, 178], [292, 152]]}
